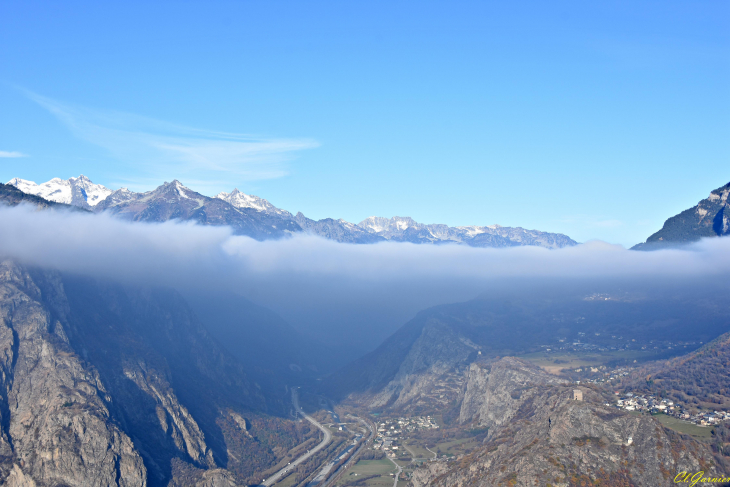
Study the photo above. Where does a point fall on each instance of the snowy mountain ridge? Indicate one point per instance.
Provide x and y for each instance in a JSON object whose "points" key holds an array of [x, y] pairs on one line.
{"points": [[78, 191], [256, 217], [243, 200], [405, 229]]}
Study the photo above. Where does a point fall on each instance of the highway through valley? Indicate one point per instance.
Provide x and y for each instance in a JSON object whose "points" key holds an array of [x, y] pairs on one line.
{"points": [[327, 438], [353, 457]]}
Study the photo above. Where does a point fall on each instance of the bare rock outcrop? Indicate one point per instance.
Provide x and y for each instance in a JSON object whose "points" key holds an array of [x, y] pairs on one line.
{"points": [[109, 385], [546, 438], [495, 391], [56, 422], [434, 356]]}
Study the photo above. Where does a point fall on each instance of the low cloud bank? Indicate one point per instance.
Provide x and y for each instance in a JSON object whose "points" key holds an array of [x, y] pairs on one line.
{"points": [[328, 287]]}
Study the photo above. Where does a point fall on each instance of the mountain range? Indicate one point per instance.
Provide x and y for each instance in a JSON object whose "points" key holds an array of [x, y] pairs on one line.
{"points": [[256, 217]]}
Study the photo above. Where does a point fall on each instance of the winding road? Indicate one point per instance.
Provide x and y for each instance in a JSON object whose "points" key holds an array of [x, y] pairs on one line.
{"points": [[327, 438], [397, 474]]}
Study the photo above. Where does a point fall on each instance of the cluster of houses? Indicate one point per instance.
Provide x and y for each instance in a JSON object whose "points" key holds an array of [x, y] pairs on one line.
{"points": [[637, 402], [651, 404], [390, 431], [400, 425]]}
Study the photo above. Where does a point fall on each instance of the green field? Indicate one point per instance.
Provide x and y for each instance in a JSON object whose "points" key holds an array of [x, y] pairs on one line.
{"points": [[419, 452], [365, 468], [699, 432], [402, 463]]}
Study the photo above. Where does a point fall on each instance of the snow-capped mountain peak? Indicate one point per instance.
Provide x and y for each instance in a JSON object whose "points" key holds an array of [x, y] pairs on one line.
{"points": [[80, 191], [177, 188], [243, 200]]}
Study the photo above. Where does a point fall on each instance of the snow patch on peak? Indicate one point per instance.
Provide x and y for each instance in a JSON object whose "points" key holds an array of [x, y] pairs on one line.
{"points": [[378, 224], [472, 230], [173, 188], [373, 224], [243, 200], [56, 189], [21, 183], [78, 191], [179, 187]]}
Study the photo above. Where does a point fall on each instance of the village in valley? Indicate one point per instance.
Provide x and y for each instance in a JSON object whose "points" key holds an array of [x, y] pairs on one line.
{"points": [[390, 432], [655, 405]]}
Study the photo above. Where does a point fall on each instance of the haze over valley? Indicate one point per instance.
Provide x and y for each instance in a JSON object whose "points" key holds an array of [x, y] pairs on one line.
{"points": [[364, 244], [363, 329]]}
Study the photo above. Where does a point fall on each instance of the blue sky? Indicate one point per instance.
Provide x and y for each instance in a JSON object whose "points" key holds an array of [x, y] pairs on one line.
{"points": [[594, 119]]}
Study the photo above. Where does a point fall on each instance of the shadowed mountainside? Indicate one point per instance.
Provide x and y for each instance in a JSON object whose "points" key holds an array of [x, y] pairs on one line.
{"points": [[121, 384]]}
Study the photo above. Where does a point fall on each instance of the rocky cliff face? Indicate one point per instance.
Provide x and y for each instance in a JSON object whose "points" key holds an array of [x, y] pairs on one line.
{"points": [[539, 435], [108, 385], [432, 359], [57, 427], [495, 391], [709, 218]]}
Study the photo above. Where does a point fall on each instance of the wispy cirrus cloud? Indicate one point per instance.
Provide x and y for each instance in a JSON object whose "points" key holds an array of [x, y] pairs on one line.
{"points": [[164, 148], [12, 154]]}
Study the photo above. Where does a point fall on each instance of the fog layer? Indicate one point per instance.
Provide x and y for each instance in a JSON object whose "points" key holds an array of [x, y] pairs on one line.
{"points": [[353, 295]]}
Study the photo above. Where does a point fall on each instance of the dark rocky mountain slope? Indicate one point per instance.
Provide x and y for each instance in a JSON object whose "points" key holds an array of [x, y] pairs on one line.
{"points": [[709, 218], [104, 384]]}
